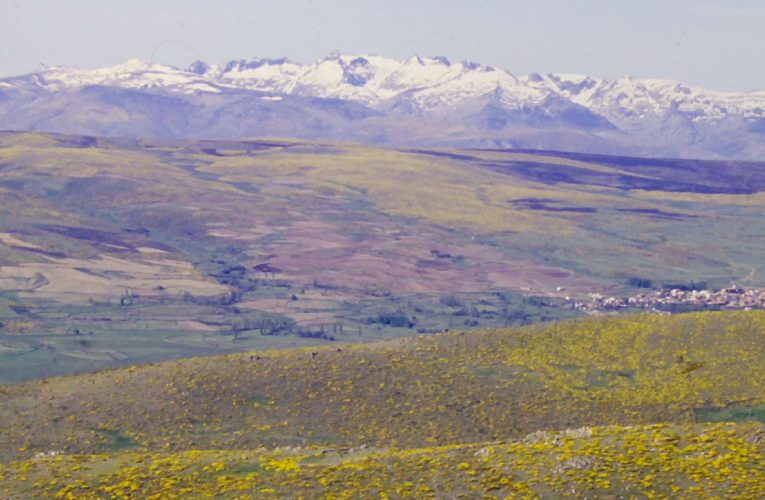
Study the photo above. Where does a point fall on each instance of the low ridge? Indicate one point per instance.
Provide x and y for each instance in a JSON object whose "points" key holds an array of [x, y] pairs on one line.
{"points": [[324, 410]]}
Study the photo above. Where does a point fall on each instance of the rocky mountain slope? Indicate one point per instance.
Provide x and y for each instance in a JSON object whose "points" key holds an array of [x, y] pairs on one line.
{"points": [[419, 101]]}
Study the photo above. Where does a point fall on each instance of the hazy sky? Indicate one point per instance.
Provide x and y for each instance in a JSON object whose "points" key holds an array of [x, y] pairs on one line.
{"points": [[718, 44]]}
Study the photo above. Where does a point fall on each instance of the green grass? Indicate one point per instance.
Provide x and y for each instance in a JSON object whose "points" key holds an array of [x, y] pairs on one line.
{"points": [[116, 440], [753, 413]]}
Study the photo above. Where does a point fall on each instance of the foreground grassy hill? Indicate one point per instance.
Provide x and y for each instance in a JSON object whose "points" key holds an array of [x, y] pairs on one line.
{"points": [[425, 391], [627, 405], [656, 461]]}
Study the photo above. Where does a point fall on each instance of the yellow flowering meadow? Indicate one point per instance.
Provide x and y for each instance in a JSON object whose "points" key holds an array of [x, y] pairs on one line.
{"points": [[653, 461], [591, 407]]}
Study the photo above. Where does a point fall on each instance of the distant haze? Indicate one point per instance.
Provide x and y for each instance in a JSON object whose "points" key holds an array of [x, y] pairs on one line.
{"points": [[713, 43]]}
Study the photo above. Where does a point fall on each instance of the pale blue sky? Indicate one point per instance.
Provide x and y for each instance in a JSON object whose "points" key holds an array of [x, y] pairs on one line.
{"points": [[719, 44]]}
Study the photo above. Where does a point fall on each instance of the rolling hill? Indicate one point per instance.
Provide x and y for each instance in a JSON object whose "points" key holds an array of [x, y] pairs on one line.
{"points": [[121, 251], [621, 405]]}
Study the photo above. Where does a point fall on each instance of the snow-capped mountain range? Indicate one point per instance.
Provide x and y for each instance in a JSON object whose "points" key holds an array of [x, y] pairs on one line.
{"points": [[417, 101]]}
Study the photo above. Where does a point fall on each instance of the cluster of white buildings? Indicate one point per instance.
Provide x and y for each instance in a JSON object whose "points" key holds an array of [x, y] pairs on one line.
{"points": [[732, 297]]}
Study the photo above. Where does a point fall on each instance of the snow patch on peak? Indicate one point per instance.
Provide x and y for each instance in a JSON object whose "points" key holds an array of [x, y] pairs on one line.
{"points": [[130, 66], [421, 83], [133, 73]]}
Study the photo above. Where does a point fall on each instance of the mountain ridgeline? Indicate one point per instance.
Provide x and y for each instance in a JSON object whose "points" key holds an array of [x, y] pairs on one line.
{"points": [[377, 100]]}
